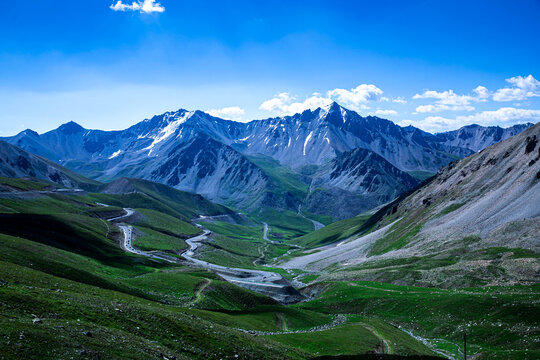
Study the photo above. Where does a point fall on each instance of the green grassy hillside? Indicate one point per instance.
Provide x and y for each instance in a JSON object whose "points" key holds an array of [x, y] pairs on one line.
{"points": [[155, 196], [284, 179], [499, 321], [334, 232], [67, 289]]}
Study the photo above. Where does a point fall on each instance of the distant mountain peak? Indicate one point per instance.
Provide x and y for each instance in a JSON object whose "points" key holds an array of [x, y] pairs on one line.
{"points": [[333, 113], [30, 132], [332, 107], [71, 128]]}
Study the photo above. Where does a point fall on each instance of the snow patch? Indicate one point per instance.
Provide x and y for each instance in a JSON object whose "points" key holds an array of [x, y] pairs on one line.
{"points": [[244, 139], [169, 130], [305, 142], [343, 115], [115, 154]]}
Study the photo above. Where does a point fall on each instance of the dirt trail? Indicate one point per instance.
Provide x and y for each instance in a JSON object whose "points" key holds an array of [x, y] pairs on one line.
{"points": [[282, 322], [387, 347], [316, 225], [338, 320], [198, 293], [261, 254]]}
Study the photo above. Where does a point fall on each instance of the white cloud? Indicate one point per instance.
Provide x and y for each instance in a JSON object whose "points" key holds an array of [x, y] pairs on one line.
{"points": [[230, 113], [355, 99], [385, 112], [482, 93], [506, 116], [522, 88], [146, 6], [285, 104], [430, 108], [449, 100], [356, 96], [399, 100]]}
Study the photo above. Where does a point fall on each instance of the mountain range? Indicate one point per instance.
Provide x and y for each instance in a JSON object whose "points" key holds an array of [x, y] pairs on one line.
{"points": [[283, 163]]}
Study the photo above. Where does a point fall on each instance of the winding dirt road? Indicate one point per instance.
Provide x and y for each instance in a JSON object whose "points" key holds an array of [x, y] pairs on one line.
{"points": [[265, 234], [263, 282], [268, 283], [317, 225]]}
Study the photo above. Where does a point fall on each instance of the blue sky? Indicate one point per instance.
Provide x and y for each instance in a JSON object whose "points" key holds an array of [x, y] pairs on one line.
{"points": [[106, 64]]}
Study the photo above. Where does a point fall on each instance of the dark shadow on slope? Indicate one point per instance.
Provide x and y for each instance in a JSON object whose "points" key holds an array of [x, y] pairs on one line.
{"points": [[378, 357], [55, 232]]}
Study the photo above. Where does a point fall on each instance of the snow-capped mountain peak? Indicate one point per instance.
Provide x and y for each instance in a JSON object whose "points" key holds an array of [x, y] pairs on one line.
{"points": [[173, 121]]}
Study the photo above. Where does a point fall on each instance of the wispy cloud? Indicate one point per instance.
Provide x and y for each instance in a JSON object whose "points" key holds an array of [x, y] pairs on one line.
{"points": [[449, 100], [146, 6], [428, 102], [521, 88], [230, 113], [386, 112]]}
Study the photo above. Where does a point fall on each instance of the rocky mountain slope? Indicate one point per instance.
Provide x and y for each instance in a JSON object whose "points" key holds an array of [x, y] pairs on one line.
{"points": [[204, 166], [354, 182], [18, 163], [476, 222]]}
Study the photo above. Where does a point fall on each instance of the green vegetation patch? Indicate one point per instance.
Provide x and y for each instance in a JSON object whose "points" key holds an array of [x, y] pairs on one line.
{"points": [[162, 198], [323, 219], [149, 239], [284, 224], [166, 224], [349, 339], [26, 185], [451, 208], [234, 231], [396, 238], [332, 233], [284, 179], [231, 252]]}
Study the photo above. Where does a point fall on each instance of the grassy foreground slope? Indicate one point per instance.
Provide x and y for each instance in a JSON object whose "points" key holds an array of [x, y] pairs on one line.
{"points": [[499, 321], [49, 317], [68, 291]]}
